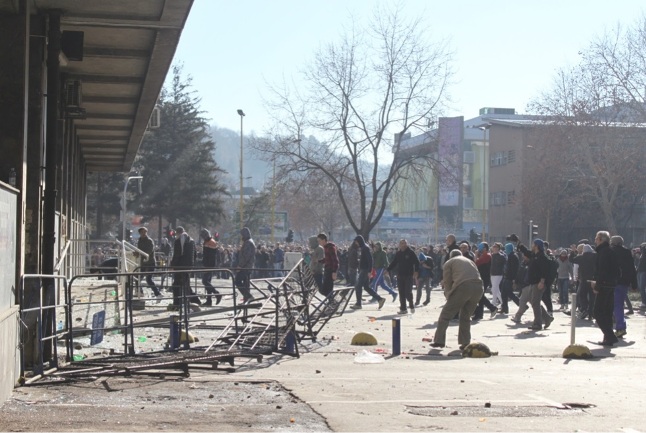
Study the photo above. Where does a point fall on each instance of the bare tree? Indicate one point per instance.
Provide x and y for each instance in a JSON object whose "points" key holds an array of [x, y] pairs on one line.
{"points": [[308, 215], [362, 95], [621, 56], [589, 141]]}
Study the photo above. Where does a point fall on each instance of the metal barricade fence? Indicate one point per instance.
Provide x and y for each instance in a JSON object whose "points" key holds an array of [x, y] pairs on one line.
{"points": [[284, 311]]}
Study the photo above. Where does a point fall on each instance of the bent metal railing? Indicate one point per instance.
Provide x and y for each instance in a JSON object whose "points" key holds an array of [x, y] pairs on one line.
{"points": [[284, 312]]}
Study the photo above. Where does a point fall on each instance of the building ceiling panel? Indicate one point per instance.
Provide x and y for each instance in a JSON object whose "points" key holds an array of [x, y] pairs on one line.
{"points": [[128, 47]]}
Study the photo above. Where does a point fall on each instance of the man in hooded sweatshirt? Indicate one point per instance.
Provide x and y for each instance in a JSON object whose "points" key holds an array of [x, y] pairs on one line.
{"points": [[209, 254], [380, 259], [363, 280], [316, 261], [246, 260]]}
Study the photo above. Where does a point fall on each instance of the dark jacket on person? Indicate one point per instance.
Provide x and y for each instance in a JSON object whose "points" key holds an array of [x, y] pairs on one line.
{"points": [[353, 257], [587, 264], [628, 273], [209, 252], [453, 246], [511, 267], [521, 279], [405, 261], [365, 262], [498, 261], [607, 271], [262, 259], [147, 245], [539, 266], [183, 256]]}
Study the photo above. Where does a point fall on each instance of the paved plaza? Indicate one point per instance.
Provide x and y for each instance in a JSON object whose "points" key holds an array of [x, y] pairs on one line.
{"points": [[526, 386]]}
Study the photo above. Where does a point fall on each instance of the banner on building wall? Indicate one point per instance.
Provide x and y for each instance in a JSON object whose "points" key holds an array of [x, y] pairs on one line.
{"points": [[450, 134]]}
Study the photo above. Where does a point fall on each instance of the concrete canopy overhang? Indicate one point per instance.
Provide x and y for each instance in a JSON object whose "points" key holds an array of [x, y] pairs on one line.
{"points": [[128, 49]]}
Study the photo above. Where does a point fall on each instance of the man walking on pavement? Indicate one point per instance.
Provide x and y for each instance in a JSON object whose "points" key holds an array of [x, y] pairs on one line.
{"points": [[279, 261], [627, 278], [246, 261], [147, 245], [209, 253], [363, 280], [407, 265], [537, 274], [183, 259], [510, 274], [353, 265], [462, 290], [606, 278]]}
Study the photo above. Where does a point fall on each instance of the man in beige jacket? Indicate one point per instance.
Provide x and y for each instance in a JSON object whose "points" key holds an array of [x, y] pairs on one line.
{"points": [[462, 290]]}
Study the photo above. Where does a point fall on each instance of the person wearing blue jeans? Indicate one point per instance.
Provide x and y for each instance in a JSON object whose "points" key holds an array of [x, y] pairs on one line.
{"points": [[363, 281], [380, 262]]}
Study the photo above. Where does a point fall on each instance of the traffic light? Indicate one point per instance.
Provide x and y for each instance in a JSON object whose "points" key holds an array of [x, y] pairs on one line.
{"points": [[290, 235], [533, 230], [128, 235]]}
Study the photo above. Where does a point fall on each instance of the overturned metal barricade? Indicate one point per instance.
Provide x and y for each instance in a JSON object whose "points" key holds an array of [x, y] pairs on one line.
{"points": [[162, 338]]}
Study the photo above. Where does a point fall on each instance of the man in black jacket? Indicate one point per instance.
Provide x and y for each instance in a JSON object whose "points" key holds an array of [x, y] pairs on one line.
{"points": [[537, 274], [365, 268], [606, 278], [407, 264], [627, 278], [451, 245], [183, 259], [147, 245]]}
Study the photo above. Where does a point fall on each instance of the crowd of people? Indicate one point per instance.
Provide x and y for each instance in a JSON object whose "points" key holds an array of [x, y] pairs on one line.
{"points": [[472, 276]]}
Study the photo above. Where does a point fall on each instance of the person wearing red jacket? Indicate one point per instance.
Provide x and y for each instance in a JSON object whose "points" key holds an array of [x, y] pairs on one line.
{"points": [[483, 262], [330, 262], [209, 253]]}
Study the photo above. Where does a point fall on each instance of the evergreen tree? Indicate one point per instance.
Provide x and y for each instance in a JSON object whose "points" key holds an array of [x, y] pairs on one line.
{"points": [[104, 203], [181, 178]]}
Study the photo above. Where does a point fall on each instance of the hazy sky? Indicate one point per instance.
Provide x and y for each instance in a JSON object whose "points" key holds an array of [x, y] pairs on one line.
{"points": [[506, 52]]}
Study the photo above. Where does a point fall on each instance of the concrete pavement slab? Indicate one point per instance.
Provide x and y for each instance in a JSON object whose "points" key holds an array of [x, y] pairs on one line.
{"points": [[528, 386]]}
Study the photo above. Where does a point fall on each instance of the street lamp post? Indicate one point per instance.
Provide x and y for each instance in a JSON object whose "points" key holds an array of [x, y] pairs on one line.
{"points": [[123, 206], [485, 159], [273, 203], [241, 113]]}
